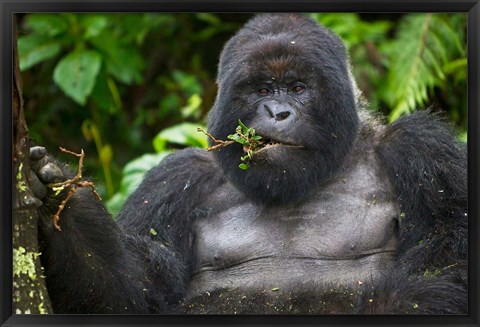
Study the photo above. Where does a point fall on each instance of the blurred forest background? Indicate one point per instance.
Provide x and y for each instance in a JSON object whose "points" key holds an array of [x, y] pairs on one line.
{"points": [[131, 88]]}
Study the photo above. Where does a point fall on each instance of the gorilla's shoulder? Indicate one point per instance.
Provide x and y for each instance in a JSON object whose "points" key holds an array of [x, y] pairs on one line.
{"points": [[427, 166], [188, 156], [189, 163], [179, 183], [189, 173], [423, 132]]}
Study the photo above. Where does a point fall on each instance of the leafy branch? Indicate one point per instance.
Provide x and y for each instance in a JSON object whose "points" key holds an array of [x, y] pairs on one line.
{"points": [[418, 60], [245, 136], [73, 183]]}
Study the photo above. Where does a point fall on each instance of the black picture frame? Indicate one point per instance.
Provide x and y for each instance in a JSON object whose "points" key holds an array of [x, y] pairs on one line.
{"points": [[8, 8]]}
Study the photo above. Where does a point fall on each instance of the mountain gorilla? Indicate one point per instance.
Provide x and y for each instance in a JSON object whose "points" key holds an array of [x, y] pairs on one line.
{"points": [[339, 213]]}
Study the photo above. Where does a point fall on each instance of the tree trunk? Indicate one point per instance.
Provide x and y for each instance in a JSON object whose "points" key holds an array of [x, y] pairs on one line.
{"points": [[30, 294]]}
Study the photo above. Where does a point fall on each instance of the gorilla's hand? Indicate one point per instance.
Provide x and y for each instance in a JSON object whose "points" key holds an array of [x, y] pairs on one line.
{"points": [[43, 171]]}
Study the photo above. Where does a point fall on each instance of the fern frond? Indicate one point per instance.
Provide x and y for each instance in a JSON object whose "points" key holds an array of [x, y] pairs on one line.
{"points": [[424, 45]]}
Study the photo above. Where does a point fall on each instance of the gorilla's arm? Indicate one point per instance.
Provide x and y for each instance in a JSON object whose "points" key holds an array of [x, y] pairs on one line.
{"points": [[88, 266], [94, 265], [163, 210], [428, 170]]}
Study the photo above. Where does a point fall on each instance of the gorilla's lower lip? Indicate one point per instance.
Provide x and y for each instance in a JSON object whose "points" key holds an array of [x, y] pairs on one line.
{"points": [[275, 144]]}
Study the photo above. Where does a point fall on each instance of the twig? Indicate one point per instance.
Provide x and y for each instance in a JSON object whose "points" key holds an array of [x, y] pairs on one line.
{"points": [[220, 143], [73, 183]]}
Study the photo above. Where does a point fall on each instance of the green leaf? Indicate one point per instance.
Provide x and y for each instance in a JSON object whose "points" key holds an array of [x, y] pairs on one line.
{"points": [[234, 137], [33, 49], [183, 134], [244, 166], [47, 24], [76, 73], [93, 24], [242, 141], [159, 144], [125, 64], [237, 138], [143, 163], [243, 126], [58, 189]]}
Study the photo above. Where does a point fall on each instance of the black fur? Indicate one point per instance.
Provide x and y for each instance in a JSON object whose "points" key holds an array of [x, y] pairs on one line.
{"points": [[143, 263], [428, 169]]}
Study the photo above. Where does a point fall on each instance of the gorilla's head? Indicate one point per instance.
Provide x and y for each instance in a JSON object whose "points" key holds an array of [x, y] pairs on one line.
{"points": [[288, 78]]}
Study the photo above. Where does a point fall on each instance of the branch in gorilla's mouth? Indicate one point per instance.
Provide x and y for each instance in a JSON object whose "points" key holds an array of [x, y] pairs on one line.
{"points": [[252, 143]]}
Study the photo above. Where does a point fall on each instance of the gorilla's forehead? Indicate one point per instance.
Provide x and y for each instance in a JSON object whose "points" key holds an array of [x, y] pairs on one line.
{"points": [[276, 57], [284, 56], [278, 54], [278, 42]]}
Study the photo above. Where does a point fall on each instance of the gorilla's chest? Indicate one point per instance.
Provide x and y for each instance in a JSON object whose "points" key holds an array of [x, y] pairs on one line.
{"points": [[343, 234]]}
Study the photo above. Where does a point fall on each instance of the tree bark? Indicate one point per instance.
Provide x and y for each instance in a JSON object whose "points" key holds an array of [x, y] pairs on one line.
{"points": [[30, 295]]}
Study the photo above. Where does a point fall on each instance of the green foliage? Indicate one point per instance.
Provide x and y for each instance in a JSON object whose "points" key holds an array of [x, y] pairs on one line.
{"points": [[243, 135], [247, 137], [352, 29], [180, 85], [182, 134], [424, 46], [87, 44]]}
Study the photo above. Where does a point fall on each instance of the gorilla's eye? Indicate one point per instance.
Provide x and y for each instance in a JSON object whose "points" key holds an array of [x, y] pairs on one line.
{"points": [[263, 91], [298, 89]]}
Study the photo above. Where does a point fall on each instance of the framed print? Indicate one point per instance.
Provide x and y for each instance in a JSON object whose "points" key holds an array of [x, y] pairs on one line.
{"points": [[176, 163]]}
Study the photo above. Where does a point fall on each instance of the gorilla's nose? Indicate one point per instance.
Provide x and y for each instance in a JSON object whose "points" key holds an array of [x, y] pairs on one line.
{"points": [[279, 111]]}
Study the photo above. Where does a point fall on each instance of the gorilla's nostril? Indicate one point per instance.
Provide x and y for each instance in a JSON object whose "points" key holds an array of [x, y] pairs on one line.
{"points": [[282, 115], [276, 111]]}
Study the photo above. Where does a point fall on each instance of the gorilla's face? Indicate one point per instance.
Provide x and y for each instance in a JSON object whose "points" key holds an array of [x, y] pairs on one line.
{"points": [[287, 78]]}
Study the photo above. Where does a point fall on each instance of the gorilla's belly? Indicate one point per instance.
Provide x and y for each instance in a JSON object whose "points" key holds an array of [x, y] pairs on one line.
{"points": [[285, 285], [267, 258]]}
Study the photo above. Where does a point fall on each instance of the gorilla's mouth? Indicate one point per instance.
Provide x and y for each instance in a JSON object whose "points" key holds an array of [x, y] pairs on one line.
{"points": [[272, 143]]}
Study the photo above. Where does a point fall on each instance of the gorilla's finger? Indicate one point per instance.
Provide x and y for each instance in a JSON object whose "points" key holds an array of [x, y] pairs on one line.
{"points": [[38, 188], [37, 152], [50, 173]]}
